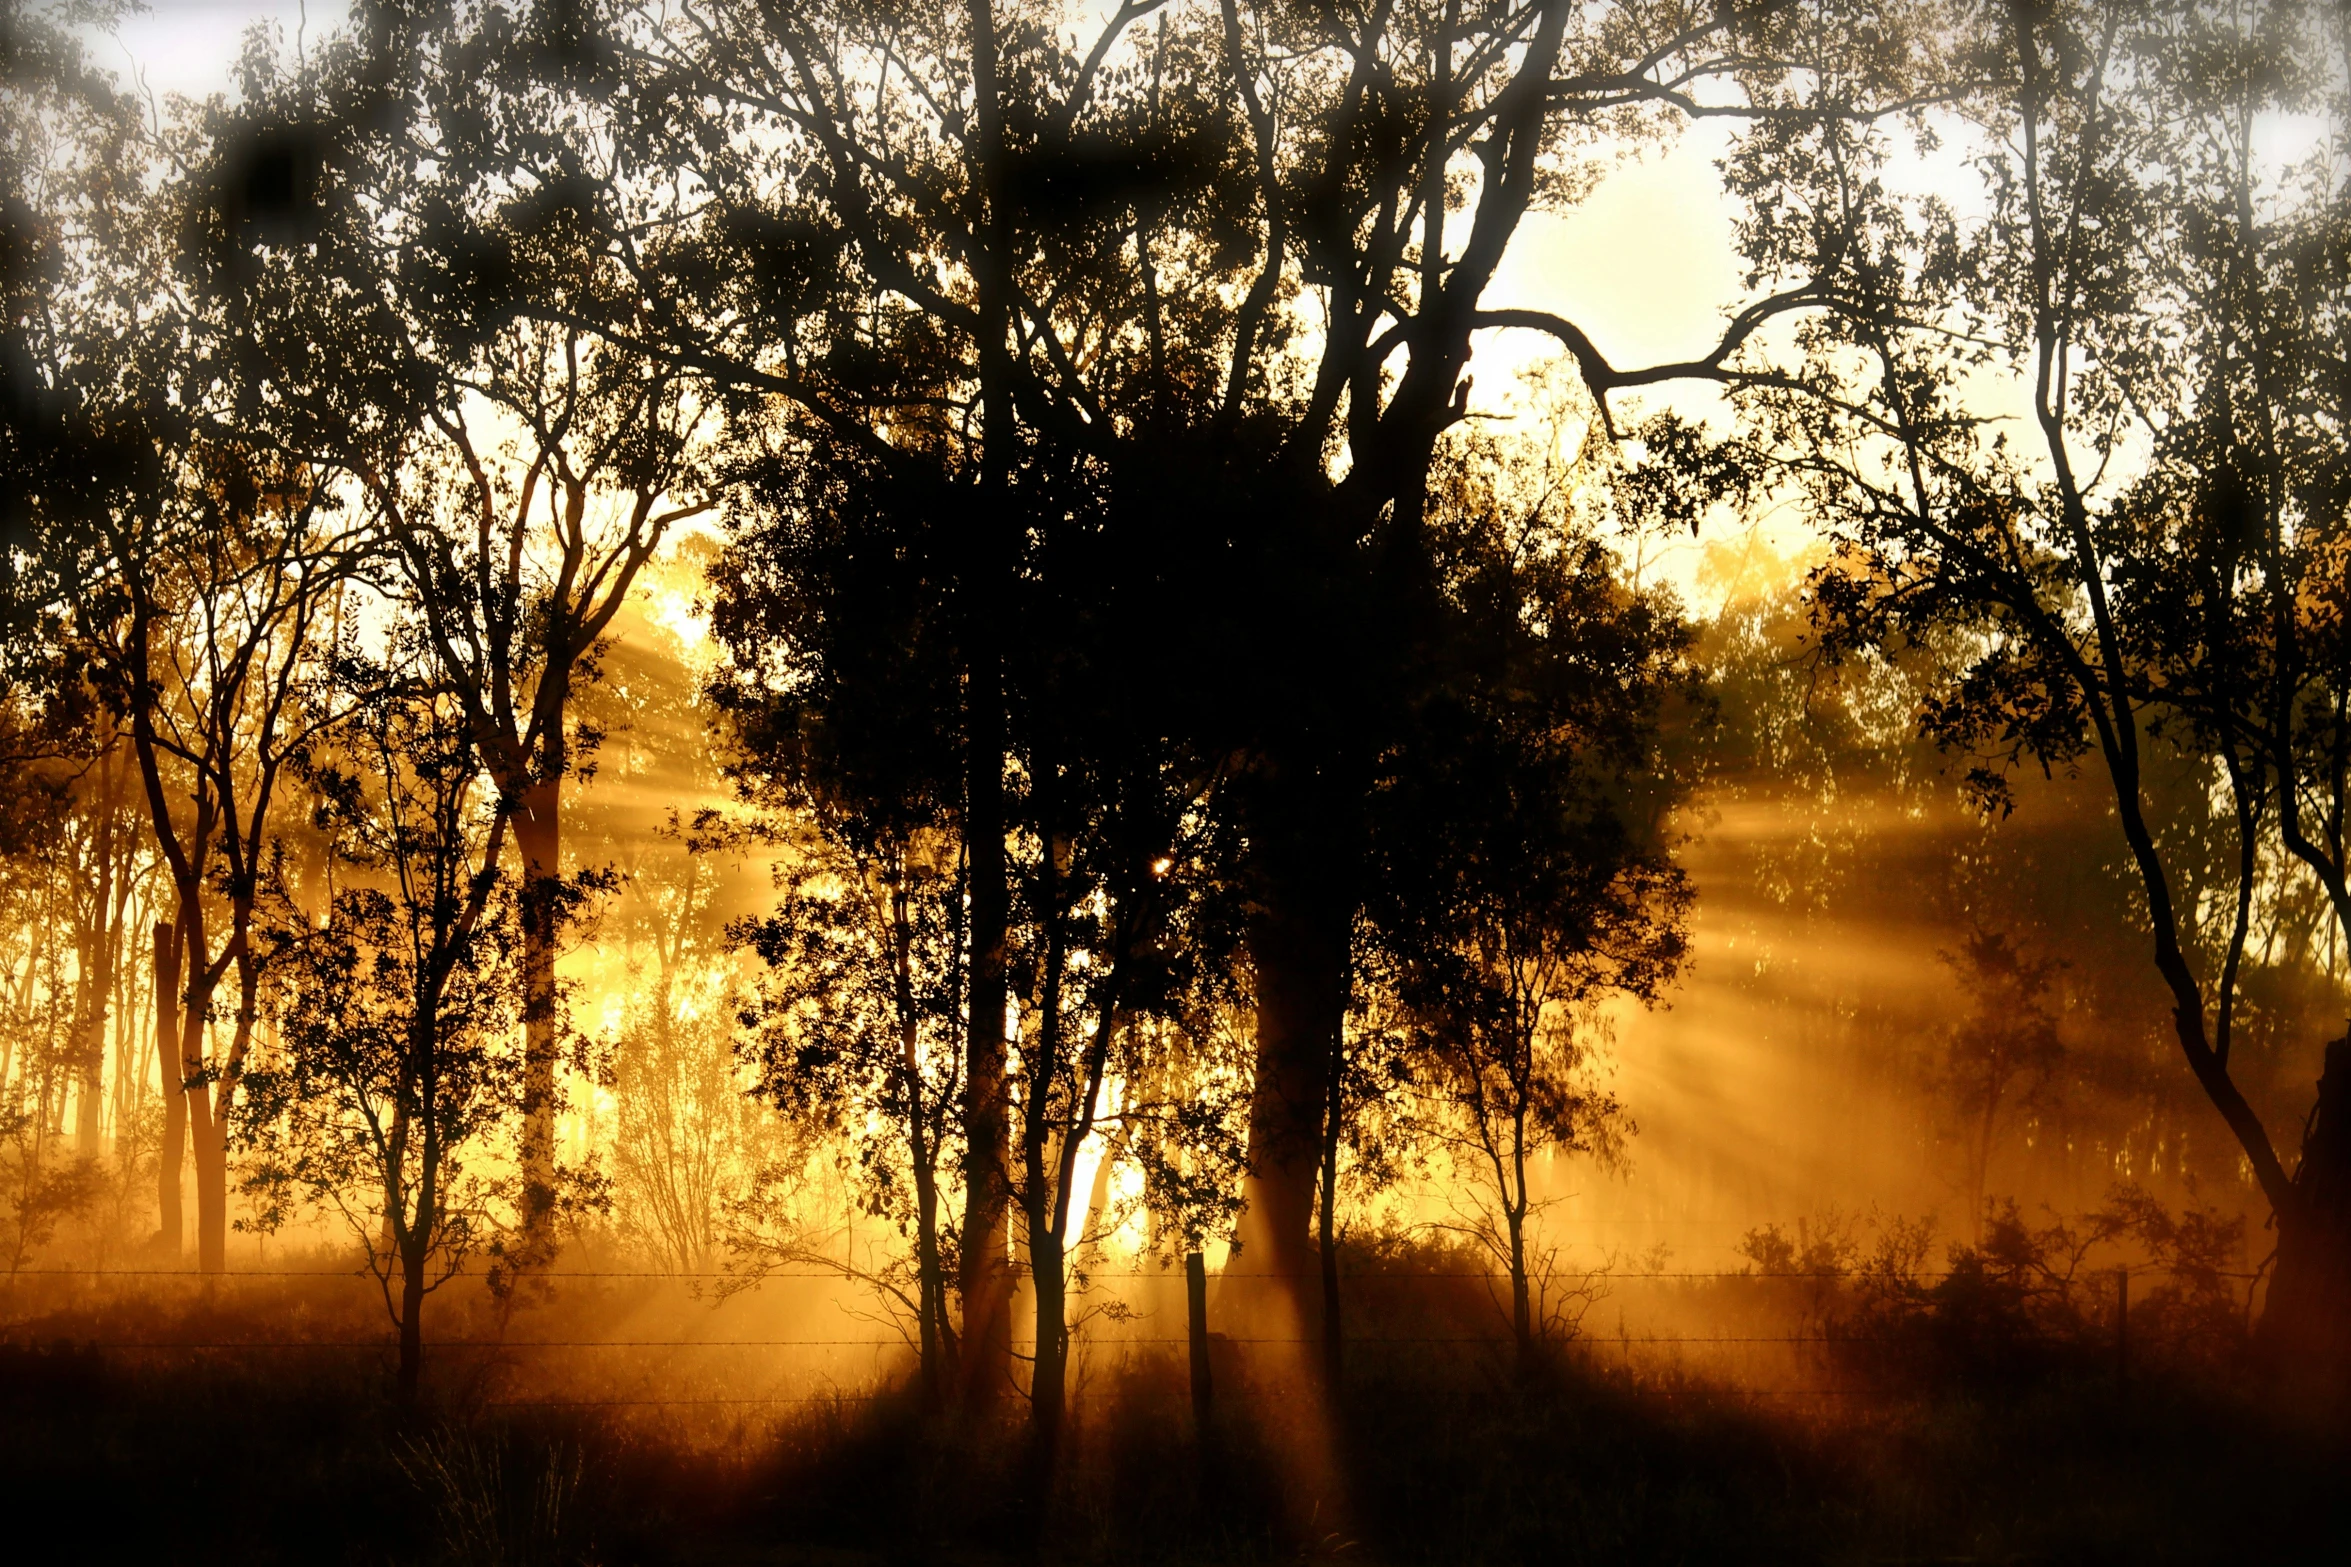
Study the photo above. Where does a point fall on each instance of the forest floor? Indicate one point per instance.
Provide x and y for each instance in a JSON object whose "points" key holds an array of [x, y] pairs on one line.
{"points": [[1422, 1458]]}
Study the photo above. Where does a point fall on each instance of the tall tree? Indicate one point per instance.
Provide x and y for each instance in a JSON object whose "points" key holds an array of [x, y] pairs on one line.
{"points": [[836, 602], [523, 471], [195, 586], [2146, 563], [1523, 879], [520, 552], [1235, 255], [396, 1063]]}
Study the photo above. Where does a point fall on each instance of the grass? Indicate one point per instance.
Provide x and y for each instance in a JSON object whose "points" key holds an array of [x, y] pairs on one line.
{"points": [[1438, 1454]]}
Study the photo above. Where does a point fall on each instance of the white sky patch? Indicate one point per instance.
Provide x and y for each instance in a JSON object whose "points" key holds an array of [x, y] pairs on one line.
{"points": [[188, 46]]}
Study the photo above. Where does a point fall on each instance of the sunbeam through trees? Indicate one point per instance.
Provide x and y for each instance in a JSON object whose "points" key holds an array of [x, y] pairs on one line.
{"points": [[880, 781]]}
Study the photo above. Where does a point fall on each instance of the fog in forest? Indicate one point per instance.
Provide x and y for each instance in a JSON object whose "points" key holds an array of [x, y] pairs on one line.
{"points": [[1176, 780]]}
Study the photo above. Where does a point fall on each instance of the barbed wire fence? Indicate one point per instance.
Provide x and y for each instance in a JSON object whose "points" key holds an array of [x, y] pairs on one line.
{"points": [[1653, 1342]]}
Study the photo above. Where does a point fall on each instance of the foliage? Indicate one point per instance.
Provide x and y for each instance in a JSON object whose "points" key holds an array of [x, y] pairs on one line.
{"points": [[1522, 879], [2023, 1303], [2003, 1054], [40, 1185], [396, 1076]]}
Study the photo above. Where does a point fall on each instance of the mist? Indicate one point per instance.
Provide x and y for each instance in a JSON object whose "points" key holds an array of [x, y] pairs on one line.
{"points": [[1175, 782]]}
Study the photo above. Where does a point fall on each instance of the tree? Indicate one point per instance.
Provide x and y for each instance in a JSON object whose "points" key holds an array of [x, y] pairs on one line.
{"points": [[687, 1144], [1191, 250], [1122, 859], [843, 713], [859, 1038], [2006, 1047], [64, 135], [54, 919], [187, 560], [398, 1008], [523, 471], [1523, 879], [685, 1134], [70, 152], [2139, 280]]}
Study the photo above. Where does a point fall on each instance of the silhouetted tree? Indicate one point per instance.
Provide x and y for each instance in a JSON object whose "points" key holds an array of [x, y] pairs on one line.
{"points": [[396, 1070], [2138, 279], [843, 714], [1522, 879], [1110, 245], [2005, 1049], [522, 471]]}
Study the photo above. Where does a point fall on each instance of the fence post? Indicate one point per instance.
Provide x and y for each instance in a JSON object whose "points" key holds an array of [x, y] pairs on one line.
{"points": [[1196, 1320], [2122, 1327]]}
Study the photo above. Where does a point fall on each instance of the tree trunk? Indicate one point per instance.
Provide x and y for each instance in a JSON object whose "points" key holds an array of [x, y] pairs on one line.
{"points": [[207, 1128], [1196, 1334], [210, 1124], [537, 833], [1334, 1341], [1522, 1314], [2307, 1326], [1097, 1198], [930, 1291], [412, 1291], [987, 1281], [131, 1025], [1049, 1383], [1297, 952], [1980, 1167], [933, 1334], [209, 1142], [95, 982], [90, 1077], [171, 1224]]}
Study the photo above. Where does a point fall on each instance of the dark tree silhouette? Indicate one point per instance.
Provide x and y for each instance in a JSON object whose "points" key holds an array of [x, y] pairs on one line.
{"points": [[398, 1008], [522, 470], [2142, 279], [2002, 1053], [1521, 873], [1110, 245], [844, 714]]}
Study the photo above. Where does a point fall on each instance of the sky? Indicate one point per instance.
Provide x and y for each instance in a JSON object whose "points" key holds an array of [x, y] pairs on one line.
{"points": [[187, 46], [1646, 264]]}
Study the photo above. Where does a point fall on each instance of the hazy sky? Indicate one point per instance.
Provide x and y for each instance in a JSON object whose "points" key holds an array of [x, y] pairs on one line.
{"points": [[186, 46], [1645, 265]]}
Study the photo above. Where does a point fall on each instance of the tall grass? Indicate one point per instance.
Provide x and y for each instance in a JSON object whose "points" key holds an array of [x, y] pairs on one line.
{"points": [[1441, 1448]]}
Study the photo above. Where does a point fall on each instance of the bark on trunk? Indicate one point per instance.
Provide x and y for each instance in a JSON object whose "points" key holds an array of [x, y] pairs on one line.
{"points": [[933, 1332], [90, 1078], [1522, 1316], [987, 1281], [1049, 1383], [537, 834], [210, 1124], [988, 576], [1298, 953], [207, 1135], [930, 1293], [1097, 1199], [1334, 1341], [1196, 1333], [2308, 1322], [171, 1224], [412, 1294], [208, 1141], [95, 982]]}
